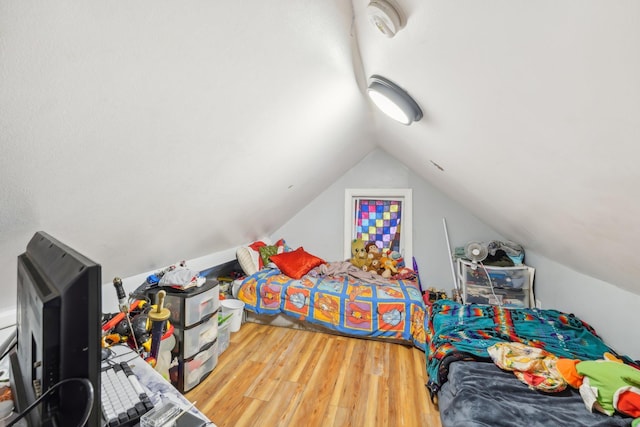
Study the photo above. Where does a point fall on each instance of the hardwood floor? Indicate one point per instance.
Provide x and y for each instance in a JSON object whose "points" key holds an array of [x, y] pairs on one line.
{"points": [[271, 376]]}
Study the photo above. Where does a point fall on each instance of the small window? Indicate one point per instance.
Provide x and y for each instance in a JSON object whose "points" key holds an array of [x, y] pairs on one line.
{"points": [[382, 216]]}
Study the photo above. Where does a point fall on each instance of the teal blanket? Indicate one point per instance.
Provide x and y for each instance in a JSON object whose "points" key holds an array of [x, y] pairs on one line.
{"points": [[464, 332]]}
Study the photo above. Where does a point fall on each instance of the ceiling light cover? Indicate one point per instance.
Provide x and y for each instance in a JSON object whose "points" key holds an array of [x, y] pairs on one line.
{"points": [[394, 101]]}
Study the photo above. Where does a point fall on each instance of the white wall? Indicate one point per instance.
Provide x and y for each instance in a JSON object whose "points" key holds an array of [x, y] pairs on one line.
{"points": [[7, 324], [319, 228], [605, 307], [110, 300]]}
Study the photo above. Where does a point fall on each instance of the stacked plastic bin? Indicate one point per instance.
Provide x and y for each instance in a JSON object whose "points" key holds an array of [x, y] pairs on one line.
{"points": [[194, 315]]}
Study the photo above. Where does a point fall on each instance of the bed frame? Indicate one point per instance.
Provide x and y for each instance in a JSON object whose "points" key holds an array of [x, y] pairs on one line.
{"points": [[284, 321]]}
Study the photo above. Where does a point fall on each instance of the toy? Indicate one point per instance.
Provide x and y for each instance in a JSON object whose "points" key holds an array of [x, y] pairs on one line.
{"points": [[137, 333], [605, 385], [375, 266], [397, 257], [359, 255], [388, 267], [373, 252]]}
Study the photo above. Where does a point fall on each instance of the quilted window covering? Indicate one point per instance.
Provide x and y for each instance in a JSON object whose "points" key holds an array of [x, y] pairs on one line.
{"points": [[383, 216]]}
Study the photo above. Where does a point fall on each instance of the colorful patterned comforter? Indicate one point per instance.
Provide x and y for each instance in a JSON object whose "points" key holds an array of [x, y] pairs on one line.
{"points": [[390, 310], [464, 332]]}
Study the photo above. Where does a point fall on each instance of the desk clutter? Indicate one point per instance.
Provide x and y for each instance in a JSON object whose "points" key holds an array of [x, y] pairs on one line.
{"points": [[160, 404], [133, 326], [123, 400], [199, 317]]}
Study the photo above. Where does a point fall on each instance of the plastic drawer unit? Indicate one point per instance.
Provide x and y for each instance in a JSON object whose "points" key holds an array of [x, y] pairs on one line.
{"points": [[497, 296], [193, 370], [506, 286], [194, 315], [191, 306], [193, 339]]}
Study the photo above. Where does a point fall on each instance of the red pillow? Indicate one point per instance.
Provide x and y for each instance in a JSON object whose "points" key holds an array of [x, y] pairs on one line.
{"points": [[296, 263]]}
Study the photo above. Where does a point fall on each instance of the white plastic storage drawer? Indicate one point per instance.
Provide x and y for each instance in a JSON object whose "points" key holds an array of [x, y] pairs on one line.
{"points": [[193, 339], [189, 308], [517, 298], [199, 366], [508, 286], [520, 277]]}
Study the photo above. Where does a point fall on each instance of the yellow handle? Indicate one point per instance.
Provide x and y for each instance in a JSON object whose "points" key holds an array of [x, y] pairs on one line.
{"points": [[160, 301]]}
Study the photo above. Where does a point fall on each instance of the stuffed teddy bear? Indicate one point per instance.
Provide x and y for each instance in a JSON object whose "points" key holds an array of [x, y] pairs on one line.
{"points": [[375, 266], [605, 385], [359, 255]]}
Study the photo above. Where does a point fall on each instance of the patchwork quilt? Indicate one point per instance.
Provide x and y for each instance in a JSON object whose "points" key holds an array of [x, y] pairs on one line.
{"points": [[393, 309]]}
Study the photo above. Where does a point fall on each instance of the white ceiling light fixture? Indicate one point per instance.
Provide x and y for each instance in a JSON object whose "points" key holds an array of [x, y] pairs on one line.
{"points": [[384, 17], [394, 101]]}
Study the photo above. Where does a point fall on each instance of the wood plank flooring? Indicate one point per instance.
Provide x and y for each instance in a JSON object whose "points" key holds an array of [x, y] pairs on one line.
{"points": [[272, 376]]}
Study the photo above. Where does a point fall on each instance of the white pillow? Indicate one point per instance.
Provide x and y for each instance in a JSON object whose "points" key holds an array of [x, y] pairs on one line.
{"points": [[248, 260]]}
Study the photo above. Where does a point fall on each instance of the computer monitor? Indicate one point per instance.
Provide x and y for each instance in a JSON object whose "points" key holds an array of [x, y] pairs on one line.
{"points": [[59, 315]]}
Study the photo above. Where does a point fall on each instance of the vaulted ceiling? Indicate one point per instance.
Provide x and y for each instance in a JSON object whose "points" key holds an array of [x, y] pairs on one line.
{"points": [[150, 128]]}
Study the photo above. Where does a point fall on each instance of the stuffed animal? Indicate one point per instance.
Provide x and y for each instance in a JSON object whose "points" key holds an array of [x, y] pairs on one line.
{"points": [[605, 385], [375, 266], [397, 257], [388, 267], [373, 251], [359, 255]]}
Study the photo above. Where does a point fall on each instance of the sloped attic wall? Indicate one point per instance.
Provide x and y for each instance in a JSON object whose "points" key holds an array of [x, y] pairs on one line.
{"points": [[606, 307], [146, 132], [531, 109]]}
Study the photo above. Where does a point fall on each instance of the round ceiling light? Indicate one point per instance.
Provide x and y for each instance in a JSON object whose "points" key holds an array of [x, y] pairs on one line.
{"points": [[394, 101]]}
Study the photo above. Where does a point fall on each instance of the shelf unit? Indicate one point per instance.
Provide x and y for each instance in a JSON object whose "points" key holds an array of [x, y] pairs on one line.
{"points": [[506, 286], [194, 315]]}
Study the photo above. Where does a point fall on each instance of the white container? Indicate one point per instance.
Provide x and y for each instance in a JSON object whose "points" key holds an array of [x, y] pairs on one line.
{"points": [[508, 286], [235, 307], [195, 338], [188, 308], [164, 356], [199, 366], [235, 287], [224, 336]]}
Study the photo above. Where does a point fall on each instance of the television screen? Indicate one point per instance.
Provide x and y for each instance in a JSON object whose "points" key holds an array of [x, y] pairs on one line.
{"points": [[59, 312]]}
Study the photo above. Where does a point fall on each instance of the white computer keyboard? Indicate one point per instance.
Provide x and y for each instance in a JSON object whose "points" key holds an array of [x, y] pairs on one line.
{"points": [[123, 399]]}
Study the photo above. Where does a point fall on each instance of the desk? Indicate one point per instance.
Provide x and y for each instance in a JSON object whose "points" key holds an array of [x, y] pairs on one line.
{"points": [[158, 389]]}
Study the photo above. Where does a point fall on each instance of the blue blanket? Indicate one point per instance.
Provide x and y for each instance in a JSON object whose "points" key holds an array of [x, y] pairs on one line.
{"points": [[480, 394]]}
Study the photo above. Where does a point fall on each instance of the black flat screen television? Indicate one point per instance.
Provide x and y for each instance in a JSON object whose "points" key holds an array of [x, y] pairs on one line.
{"points": [[59, 315]]}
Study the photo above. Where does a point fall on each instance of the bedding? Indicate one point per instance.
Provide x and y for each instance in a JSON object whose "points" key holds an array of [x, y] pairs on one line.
{"points": [[472, 391], [481, 394], [336, 297]]}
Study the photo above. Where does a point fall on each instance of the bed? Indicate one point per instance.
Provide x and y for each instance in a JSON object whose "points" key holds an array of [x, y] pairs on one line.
{"points": [[336, 297], [472, 391]]}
